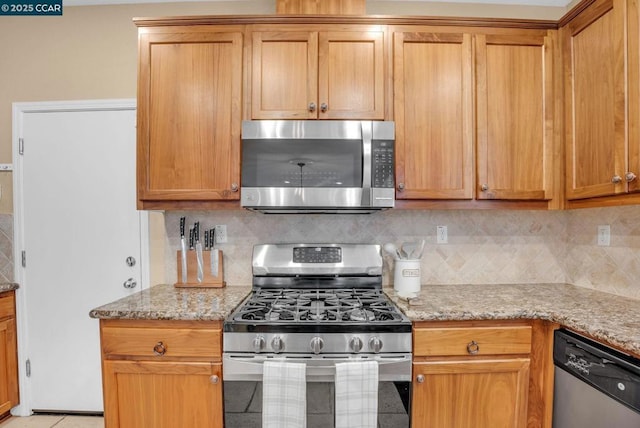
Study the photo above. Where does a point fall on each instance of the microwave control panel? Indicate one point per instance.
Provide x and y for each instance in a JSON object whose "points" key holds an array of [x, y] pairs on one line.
{"points": [[382, 162]]}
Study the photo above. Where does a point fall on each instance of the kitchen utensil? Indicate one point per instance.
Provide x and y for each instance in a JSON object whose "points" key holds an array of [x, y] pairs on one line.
{"points": [[421, 250], [183, 248], [200, 272], [392, 249], [215, 254], [413, 249]]}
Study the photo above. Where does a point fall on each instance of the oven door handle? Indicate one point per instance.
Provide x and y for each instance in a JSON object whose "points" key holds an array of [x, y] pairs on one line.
{"points": [[249, 367]]}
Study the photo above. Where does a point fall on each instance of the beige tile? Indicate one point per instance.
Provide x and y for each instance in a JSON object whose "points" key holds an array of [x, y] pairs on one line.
{"points": [[44, 421], [81, 422]]}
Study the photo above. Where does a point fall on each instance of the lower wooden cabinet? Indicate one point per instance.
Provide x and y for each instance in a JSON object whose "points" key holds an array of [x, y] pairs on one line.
{"points": [[489, 393], [482, 374], [162, 374], [9, 393]]}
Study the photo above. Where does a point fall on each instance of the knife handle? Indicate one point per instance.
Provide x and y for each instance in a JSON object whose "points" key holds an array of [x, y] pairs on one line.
{"points": [[182, 222], [191, 235], [212, 237], [196, 231], [206, 240]]}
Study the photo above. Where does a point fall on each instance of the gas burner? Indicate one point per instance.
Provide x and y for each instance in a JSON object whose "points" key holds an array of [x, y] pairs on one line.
{"points": [[361, 315], [350, 305]]}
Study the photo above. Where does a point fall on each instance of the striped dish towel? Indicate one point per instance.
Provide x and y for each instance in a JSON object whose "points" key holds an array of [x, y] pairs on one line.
{"points": [[357, 394], [284, 395]]}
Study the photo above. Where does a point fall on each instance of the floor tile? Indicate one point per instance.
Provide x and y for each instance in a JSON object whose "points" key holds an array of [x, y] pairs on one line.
{"points": [[81, 422], [44, 421]]}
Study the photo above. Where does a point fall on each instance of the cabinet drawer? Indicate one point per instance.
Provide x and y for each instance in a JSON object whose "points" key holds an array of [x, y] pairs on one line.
{"points": [[169, 342], [472, 341], [7, 305]]}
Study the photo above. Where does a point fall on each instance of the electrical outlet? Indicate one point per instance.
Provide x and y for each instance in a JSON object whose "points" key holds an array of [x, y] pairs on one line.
{"points": [[604, 235], [221, 233], [441, 235]]}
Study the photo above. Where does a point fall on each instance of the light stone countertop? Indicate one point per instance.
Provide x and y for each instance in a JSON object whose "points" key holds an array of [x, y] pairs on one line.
{"points": [[8, 286], [603, 316], [166, 302]]}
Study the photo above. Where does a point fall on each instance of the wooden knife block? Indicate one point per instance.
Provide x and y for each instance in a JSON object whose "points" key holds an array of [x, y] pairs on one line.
{"points": [[208, 280]]}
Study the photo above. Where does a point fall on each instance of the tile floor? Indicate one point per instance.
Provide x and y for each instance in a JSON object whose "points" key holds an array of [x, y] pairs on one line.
{"points": [[57, 421]]}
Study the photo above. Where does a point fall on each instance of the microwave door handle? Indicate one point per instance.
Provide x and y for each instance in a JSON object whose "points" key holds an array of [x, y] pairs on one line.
{"points": [[367, 137]]}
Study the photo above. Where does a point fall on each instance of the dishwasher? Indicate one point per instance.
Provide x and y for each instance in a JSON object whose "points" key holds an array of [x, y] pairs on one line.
{"points": [[595, 386]]}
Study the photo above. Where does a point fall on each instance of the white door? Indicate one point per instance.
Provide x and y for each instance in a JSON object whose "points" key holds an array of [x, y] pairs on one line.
{"points": [[77, 222]]}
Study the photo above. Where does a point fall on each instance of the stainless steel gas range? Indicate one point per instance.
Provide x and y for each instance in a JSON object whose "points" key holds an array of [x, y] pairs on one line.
{"points": [[320, 304]]}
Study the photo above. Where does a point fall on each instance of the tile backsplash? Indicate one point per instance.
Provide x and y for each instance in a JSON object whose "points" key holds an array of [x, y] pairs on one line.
{"points": [[6, 248], [492, 246]]}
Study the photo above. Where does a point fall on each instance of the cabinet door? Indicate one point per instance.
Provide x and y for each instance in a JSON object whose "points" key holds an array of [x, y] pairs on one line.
{"points": [[633, 55], [8, 365], [595, 101], [284, 75], [514, 80], [162, 394], [189, 115], [478, 393], [434, 115], [351, 75]]}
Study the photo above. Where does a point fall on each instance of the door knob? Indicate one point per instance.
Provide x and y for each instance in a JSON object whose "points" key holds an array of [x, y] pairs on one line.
{"points": [[130, 283], [324, 107], [131, 261], [616, 179]]}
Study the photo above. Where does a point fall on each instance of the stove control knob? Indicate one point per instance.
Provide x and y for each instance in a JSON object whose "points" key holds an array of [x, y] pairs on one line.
{"points": [[355, 344], [317, 344], [258, 343], [375, 344], [277, 344]]}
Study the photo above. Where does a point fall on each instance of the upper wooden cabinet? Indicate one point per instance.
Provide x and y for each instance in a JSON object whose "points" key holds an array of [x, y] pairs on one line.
{"points": [[515, 117], [189, 113], [596, 141], [298, 74], [513, 133], [433, 106]]}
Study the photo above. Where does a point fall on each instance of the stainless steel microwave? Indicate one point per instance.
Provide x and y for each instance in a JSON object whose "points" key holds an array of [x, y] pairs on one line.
{"points": [[317, 166]]}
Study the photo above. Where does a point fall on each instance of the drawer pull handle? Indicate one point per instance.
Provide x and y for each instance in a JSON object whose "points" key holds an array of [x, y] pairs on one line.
{"points": [[420, 378], [214, 379], [159, 349], [473, 348]]}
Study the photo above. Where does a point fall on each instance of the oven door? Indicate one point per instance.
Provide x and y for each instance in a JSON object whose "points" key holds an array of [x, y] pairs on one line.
{"points": [[243, 388]]}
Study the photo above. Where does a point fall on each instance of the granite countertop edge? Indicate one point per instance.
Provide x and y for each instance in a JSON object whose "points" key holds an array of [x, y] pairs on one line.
{"points": [[606, 317], [8, 286]]}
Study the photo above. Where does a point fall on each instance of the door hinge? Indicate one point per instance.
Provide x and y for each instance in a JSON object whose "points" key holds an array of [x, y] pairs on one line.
{"points": [[21, 146], [24, 259], [28, 368]]}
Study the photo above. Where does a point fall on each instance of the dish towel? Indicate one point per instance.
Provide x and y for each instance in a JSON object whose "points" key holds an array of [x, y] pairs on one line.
{"points": [[284, 395], [357, 394]]}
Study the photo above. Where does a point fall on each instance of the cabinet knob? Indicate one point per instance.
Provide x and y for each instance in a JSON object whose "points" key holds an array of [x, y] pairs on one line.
{"points": [[159, 349], [234, 187], [616, 179], [484, 187], [312, 107], [401, 186], [324, 107], [214, 379], [420, 378], [630, 176], [473, 348]]}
